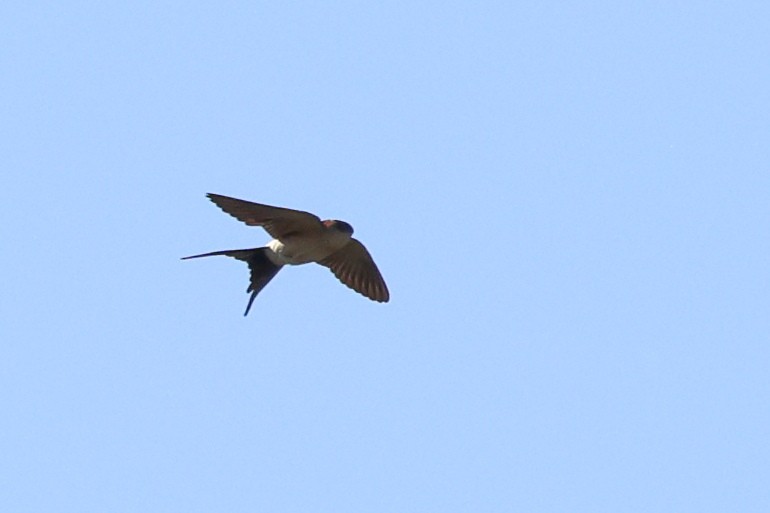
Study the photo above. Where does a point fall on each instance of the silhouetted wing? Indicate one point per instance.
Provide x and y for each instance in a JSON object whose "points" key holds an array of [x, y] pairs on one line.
{"points": [[277, 221], [353, 266]]}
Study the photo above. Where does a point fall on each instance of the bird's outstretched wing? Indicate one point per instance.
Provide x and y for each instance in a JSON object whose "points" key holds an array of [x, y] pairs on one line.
{"points": [[278, 222], [353, 266]]}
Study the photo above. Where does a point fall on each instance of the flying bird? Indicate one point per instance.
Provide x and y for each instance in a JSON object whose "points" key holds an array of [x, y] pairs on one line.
{"points": [[300, 238]]}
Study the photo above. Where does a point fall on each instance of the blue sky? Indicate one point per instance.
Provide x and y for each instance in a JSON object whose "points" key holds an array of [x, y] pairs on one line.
{"points": [[570, 202]]}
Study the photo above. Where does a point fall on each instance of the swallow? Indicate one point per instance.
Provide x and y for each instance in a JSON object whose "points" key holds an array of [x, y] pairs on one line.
{"points": [[301, 238]]}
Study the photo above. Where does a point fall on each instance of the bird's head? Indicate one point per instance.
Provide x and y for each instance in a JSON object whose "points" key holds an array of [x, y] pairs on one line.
{"points": [[340, 226]]}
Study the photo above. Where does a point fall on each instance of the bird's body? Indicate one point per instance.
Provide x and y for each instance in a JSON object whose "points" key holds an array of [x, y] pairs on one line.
{"points": [[303, 249], [301, 238]]}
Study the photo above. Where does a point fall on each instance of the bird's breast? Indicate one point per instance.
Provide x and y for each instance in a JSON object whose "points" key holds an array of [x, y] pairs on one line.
{"points": [[298, 250]]}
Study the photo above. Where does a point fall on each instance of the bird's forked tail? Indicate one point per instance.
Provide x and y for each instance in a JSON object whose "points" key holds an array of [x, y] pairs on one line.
{"points": [[262, 268]]}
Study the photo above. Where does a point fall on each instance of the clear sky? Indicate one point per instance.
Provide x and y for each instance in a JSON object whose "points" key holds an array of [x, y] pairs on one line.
{"points": [[569, 201]]}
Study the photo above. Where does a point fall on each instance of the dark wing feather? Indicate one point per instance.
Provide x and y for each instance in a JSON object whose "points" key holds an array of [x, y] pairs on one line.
{"points": [[354, 266], [278, 222]]}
